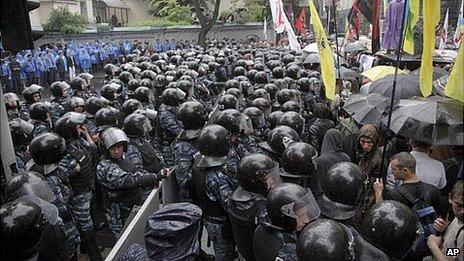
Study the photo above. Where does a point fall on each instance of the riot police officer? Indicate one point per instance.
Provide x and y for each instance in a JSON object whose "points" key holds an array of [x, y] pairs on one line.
{"points": [[78, 163], [290, 207], [193, 117], [297, 162], [139, 150], [388, 232], [47, 150], [120, 179], [324, 239], [31, 94], [212, 188], [60, 98], [168, 127], [110, 92], [257, 174], [277, 140], [40, 117], [13, 107]]}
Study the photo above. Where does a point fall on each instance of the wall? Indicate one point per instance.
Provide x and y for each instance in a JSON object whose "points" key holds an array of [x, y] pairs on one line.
{"points": [[46, 7], [162, 33]]}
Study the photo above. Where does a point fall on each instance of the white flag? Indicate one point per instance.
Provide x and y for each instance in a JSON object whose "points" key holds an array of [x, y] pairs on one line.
{"points": [[444, 33], [292, 40], [277, 10], [265, 29], [458, 32]]}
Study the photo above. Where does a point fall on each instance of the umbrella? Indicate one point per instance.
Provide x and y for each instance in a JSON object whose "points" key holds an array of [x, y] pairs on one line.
{"points": [[439, 85], [354, 47], [407, 86], [311, 58], [434, 120], [311, 48], [366, 108], [346, 74], [437, 72], [380, 71]]}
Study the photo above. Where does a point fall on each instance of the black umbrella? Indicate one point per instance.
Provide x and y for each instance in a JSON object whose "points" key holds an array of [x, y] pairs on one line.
{"points": [[434, 120], [354, 47], [366, 108], [437, 72], [346, 74], [407, 86]]}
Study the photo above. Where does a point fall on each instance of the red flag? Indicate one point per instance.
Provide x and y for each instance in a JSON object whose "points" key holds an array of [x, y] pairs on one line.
{"points": [[300, 23]]}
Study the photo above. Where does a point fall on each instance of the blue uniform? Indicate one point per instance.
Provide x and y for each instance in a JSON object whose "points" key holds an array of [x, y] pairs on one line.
{"points": [[184, 155], [168, 130], [39, 128], [57, 109], [218, 186]]}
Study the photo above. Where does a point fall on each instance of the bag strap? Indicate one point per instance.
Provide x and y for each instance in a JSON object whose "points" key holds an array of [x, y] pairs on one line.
{"points": [[407, 194]]}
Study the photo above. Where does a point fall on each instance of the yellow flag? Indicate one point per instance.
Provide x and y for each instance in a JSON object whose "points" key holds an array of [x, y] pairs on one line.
{"points": [[431, 10], [325, 53], [413, 17], [455, 86]]}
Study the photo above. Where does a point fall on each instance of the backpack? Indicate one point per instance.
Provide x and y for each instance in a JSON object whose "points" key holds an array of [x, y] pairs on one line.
{"points": [[425, 214]]}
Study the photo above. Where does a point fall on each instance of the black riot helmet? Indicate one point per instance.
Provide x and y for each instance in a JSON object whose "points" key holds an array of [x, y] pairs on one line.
{"points": [[93, 104], [30, 183], [256, 116], [22, 229], [278, 73], [228, 101], [285, 200], [148, 74], [242, 78], [251, 75], [160, 81], [293, 120], [186, 77], [272, 89], [76, 102], [47, 148], [173, 96], [143, 94], [11, 100], [273, 118], [110, 69], [130, 106], [259, 66], [323, 239], [110, 137], [146, 82], [235, 92], [288, 58], [232, 84], [185, 86], [292, 71], [297, 161], [125, 77], [133, 84], [213, 144], [192, 114], [304, 84], [258, 173], [286, 95], [136, 125], [109, 91], [235, 122], [390, 227], [87, 77], [262, 104], [279, 138], [337, 202], [291, 106], [59, 89], [78, 84], [20, 131], [40, 111], [261, 77], [66, 125], [261, 93], [239, 70], [29, 92], [107, 117]]}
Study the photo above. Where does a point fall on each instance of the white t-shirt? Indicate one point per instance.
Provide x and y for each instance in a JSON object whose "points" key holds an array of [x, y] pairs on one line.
{"points": [[450, 237], [429, 170]]}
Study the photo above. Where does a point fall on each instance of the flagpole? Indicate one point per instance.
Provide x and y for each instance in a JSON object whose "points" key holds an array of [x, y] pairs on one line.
{"points": [[392, 99], [336, 37]]}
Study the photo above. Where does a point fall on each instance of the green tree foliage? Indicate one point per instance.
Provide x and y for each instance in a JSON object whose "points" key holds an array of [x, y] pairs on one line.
{"points": [[63, 21], [171, 10]]}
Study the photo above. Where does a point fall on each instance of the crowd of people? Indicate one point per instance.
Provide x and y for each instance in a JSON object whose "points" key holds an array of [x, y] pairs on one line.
{"points": [[270, 167]]}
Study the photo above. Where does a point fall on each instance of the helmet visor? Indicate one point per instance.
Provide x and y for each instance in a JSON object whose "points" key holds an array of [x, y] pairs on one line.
{"points": [[304, 208], [245, 124], [273, 177]]}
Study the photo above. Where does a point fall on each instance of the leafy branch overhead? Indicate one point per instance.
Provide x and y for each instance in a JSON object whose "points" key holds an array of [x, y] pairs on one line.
{"points": [[63, 21]]}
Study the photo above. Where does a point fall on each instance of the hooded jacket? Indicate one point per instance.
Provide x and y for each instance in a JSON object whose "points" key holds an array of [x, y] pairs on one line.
{"points": [[369, 162], [331, 153]]}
